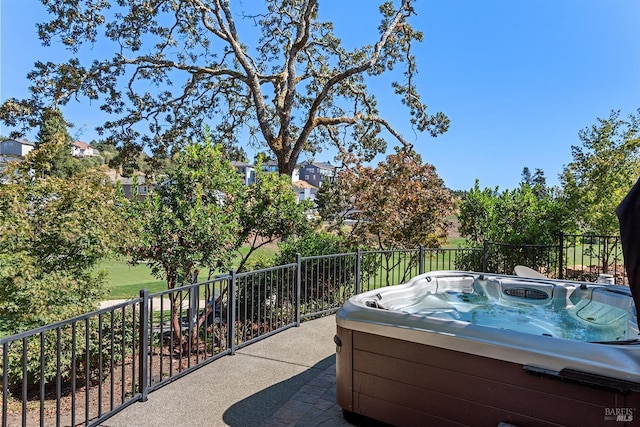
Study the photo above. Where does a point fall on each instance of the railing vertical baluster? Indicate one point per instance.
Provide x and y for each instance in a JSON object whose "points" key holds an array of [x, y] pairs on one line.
{"points": [[122, 354], [112, 362], [231, 323], [87, 370], [100, 367], [485, 255], [73, 373], [24, 381], [42, 343], [298, 286], [561, 256], [205, 336], [271, 310], [58, 374], [144, 339], [5, 382], [358, 270], [149, 327]]}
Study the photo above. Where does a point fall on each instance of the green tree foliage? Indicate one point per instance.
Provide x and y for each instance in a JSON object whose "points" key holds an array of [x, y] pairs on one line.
{"points": [[603, 170], [271, 212], [333, 203], [275, 71], [402, 203], [313, 243], [53, 234], [52, 128], [234, 153], [531, 214], [107, 151], [191, 221], [55, 141], [518, 216]]}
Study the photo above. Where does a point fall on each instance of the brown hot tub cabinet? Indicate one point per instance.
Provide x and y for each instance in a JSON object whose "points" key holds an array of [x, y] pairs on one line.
{"points": [[406, 357]]}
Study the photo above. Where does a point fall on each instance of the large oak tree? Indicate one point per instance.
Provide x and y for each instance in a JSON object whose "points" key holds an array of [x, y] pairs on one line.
{"points": [[272, 72]]}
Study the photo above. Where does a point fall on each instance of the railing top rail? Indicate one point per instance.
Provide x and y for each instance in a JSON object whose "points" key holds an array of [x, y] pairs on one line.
{"points": [[51, 326], [385, 251], [189, 286], [587, 236], [314, 257], [523, 245], [265, 270]]}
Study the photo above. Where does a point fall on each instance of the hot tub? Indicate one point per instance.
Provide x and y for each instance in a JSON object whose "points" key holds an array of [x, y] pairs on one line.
{"points": [[466, 348]]}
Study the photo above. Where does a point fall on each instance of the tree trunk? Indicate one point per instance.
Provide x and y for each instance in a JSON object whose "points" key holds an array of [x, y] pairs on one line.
{"points": [[175, 322]]}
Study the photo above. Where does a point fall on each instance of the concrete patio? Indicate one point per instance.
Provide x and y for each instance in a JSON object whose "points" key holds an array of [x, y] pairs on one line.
{"points": [[284, 380]]}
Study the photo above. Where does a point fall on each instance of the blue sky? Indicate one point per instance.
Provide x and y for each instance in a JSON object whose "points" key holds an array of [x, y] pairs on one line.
{"points": [[517, 78]]}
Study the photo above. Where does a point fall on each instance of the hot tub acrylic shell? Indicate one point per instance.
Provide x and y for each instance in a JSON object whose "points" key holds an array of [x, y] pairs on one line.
{"points": [[413, 369]]}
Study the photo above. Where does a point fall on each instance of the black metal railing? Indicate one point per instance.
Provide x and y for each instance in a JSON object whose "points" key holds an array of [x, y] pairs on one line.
{"points": [[75, 371], [84, 370], [585, 257]]}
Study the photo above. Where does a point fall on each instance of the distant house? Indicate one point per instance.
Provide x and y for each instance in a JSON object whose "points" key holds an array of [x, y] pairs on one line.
{"points": [[315, 173], [145, 185], [304, 191], [246, 171], [270, 166], [82, 149], [13, 147]]}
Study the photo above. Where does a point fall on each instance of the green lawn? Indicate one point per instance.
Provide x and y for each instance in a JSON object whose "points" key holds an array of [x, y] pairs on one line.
{"points": [[126, 281], [453, 242]]}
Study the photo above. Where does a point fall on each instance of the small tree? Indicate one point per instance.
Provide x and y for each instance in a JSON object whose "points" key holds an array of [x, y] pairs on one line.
{"points": [[402, 203], [334, 203], [603, 170], [55, 159], [192, 219], [53, 227], [526, 215], [271, 212]]}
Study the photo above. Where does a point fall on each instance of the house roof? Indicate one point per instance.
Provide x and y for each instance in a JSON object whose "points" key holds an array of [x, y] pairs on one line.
{"points": [[303, 184], [321, 165], [242, 164], [21, 141], [81, 145]]}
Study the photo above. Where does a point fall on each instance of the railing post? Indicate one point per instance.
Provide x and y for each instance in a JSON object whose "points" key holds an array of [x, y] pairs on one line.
{"points": [[357, 279], [561, 256], [231, 321], [143, 355], [485, 255], [298, 286], [421, 261]]}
